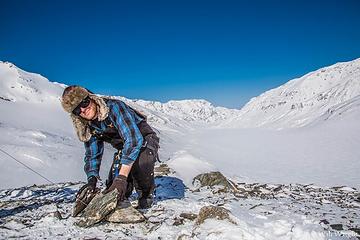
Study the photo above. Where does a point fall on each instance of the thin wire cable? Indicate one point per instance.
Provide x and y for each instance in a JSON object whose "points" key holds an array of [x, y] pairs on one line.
{"points": [[34, 171], [27, 166]]}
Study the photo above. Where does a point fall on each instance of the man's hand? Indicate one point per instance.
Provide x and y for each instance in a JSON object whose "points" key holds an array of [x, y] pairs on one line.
{"points": [[120, 184], [84, 196], [90, 186]]}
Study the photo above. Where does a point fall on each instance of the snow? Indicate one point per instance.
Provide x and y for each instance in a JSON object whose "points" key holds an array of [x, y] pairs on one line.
{"points": [[267, 142], [187, 166], [325, 155], [302, 100], [251, 218]]}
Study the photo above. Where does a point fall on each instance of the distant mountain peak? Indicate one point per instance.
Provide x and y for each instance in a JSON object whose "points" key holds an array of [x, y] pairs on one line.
{"points": [[300, 101]]}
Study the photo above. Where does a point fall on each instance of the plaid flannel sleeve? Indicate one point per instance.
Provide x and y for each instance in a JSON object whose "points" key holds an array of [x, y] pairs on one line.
{"points": [[124, 121], [94, 150]]}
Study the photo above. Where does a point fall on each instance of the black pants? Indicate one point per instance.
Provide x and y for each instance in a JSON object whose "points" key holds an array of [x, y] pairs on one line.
{"points": [[141, 175]]}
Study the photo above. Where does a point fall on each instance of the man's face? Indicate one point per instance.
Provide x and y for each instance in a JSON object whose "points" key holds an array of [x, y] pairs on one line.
{"points": [[90, 112]]}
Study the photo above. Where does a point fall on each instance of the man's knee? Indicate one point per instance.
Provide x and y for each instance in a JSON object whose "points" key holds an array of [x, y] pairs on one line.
{"points": [[146, 161]]}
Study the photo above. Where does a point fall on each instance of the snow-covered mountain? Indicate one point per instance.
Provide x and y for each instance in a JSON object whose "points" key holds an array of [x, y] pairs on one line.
{"points": [[303, 100], [190, 110], [181, 114], [18, 85], [299, 102]]}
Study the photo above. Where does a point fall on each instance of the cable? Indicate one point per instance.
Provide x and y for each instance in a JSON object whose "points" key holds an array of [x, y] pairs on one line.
{"points": [[34, 171], [27, 166]]}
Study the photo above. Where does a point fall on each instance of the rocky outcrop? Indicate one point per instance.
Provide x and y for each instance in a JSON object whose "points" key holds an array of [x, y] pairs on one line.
{"points": [[213, 179], [162, 170], [218, 213], [83, 199], [125, 213], [99, 207], [189, 216]]}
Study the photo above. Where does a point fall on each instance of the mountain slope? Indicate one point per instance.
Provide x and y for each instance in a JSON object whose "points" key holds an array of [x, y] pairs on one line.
{"points": [[17, 85], [302, 100]]}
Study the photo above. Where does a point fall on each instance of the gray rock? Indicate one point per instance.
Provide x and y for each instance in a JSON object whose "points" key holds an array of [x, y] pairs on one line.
{"points": [[219, 213], [99, 207], [189, 216], [356, 230], [178, 221], [56, 214], [83, 199], [213, 179], [125, 213], [338, 227], [184, 237], [324, 221], [162, 170]]}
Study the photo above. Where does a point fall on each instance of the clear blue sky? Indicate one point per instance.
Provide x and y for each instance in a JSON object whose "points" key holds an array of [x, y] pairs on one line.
{"points": [[223, 51]]}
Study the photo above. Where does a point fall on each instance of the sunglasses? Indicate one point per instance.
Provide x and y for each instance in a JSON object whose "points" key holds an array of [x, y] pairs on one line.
{"points": [[83, 104]]}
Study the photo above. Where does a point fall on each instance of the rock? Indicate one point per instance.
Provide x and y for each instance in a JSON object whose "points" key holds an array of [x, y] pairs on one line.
{"points": [[324, 221], [178, 221], [125, 213], [184, 237], [207, 212], [189, 216], [99, 207], [83, 199], [357, 230], [337, 227], [57, 215], [162, 170], [212, 179], [278, 188]]}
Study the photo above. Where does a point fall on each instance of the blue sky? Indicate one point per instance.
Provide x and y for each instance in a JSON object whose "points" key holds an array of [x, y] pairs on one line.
{"points": [[223, 51]]}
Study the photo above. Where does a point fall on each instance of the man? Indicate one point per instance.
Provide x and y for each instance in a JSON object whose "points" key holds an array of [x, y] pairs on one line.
{"points": [[98, 120]]}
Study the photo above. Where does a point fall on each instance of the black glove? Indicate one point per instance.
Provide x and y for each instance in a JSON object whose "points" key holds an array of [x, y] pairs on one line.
{"points": [[90, 186], [85, 194], [120, 184]]}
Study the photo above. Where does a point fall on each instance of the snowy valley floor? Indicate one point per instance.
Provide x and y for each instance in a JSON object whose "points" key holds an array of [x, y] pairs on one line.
{"points": [[286, 191], [257, 211]]}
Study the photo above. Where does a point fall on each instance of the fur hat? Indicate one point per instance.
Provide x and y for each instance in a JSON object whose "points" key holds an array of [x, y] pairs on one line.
{"points": [[72, 97]]}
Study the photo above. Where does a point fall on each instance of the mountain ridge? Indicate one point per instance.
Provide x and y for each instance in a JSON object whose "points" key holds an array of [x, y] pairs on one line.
{"points": [[301, 100]]}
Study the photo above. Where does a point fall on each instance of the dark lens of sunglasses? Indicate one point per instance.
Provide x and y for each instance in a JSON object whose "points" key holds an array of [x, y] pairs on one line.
{"points": [[83, 104]]}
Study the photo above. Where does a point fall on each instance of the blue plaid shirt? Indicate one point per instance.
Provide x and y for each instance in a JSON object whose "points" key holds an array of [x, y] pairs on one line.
{"points": [[125, 120]]}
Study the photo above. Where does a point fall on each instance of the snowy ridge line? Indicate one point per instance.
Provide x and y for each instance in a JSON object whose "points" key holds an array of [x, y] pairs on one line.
{"points": [[17, 85], [294, 104], [301, 101]]}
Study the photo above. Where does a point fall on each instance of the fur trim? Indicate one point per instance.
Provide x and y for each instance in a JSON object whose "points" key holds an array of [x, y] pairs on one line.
{"points": [[72, 96], [82, 126]]}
